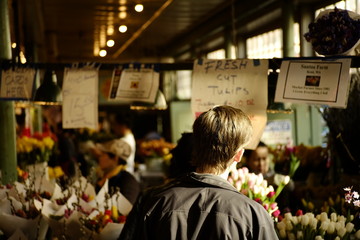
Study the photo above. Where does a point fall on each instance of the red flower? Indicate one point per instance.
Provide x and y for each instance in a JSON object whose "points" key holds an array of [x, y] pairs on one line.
{"points": [[271, 194], [276, 213], [299, 212]]}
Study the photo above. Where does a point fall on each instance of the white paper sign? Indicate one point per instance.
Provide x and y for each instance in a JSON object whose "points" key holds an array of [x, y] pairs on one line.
{"points": [[134, 84], [277, 132], [240, 83], [314, 81], [80, 98], [17, 83]]}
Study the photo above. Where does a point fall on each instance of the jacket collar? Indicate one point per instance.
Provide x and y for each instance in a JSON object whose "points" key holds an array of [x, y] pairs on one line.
{"points": [[210, 179]]}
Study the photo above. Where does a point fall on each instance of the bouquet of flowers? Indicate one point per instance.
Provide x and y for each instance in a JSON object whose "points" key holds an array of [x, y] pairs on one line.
{"points": [[155, 148], [34, 149], [320, 227], [334, 32], [256, 187]]}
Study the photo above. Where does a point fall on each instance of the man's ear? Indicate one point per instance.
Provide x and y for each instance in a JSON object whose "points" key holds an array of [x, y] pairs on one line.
{"points": [[238, 156]]}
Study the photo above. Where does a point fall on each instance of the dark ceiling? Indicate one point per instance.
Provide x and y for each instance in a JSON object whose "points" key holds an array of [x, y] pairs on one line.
{"points": [[75, 30]]}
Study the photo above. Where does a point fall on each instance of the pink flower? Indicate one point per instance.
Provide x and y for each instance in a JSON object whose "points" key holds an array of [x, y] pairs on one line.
{"points": [[266, 206], [276, 213], [273, 205], [271, 194]]}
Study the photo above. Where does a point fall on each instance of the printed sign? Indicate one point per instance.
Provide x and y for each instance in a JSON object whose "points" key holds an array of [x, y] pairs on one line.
{"points": [[134, 84], [17, 83], [80, 98], [277, 132], [241, 83], [314, 81]]}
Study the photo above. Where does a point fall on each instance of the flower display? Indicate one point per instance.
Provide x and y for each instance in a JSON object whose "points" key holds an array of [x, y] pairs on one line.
{"points": [[34, 149], [319, 227], [257, 188], [352, 196], [73, 211], [155, 148], [334, 32]]}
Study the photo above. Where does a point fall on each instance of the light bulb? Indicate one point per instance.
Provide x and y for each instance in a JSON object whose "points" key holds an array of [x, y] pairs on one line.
{"points": [[102, 53], [110, 43], [139, 7], [123, 28], [122, 15]]}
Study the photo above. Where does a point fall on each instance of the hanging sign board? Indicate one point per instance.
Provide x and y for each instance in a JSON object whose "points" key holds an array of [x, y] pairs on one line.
{"points": [[80, 98], [324, 82], [17, 83], [240, 83], [134, 84]]}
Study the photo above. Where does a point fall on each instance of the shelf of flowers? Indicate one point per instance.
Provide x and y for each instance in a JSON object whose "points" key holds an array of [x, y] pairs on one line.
{"points": [[74, 212]]}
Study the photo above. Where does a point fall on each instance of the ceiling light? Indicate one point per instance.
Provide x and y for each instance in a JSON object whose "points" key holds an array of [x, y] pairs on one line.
{"points": [[110, 43], [122, 2], [122, 15], [13, 45], [139, 7], [102, 53], [123, 28], [49, 93], [122, 8], [110, 30]]}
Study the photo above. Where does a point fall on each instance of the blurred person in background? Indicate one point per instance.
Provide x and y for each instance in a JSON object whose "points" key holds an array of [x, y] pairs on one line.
{"points": [[112, 157], [121, 126]]}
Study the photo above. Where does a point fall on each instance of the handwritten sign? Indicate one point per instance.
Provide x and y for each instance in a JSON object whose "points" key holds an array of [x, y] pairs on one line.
{"points": [[80, 98], [277, 132], [241, 83], [17, 83], [314, 81], [134, 84]]}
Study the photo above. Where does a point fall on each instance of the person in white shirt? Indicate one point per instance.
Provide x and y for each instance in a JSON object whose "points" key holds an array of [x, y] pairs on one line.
{"points": [[122, 128]]}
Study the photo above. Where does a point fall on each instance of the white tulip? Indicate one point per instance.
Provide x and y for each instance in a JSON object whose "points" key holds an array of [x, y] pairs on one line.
{"points": [[323, 216], [318, 238], [357, 234], [286, 180], [283, 233], [324, 225], [310, 215], [281, 225], [349, 227], [295, 220], [341, 232], [331, 228], [333, 217], [288, 216], [313, 223], [305, 220], [289, 226], [337, 238], [339, 225], [341, 218]]}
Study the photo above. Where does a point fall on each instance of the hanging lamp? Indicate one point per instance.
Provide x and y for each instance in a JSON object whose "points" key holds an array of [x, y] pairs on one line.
{"points": [[49, 93], [159, 104]]}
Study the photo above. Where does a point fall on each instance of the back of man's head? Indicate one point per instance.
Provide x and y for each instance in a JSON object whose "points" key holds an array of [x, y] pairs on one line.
{"points": [[218, 135]]}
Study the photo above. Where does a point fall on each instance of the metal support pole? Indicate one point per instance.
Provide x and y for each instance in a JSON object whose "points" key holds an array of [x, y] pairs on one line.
{"points": [[8, 161], [288, 28]]}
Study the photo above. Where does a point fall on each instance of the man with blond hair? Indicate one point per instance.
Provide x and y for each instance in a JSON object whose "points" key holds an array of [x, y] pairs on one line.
{"points": [[202, 204]]}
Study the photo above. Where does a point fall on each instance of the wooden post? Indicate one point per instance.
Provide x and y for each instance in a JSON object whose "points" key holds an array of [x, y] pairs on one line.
{"points": [[8, 161]]}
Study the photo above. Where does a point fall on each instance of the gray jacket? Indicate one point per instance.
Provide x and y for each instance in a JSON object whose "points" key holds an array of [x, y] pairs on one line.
{"points": [[197, 206]]}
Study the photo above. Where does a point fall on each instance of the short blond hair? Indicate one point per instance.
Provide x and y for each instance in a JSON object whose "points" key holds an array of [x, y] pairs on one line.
{"points": [[219, 134]]}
